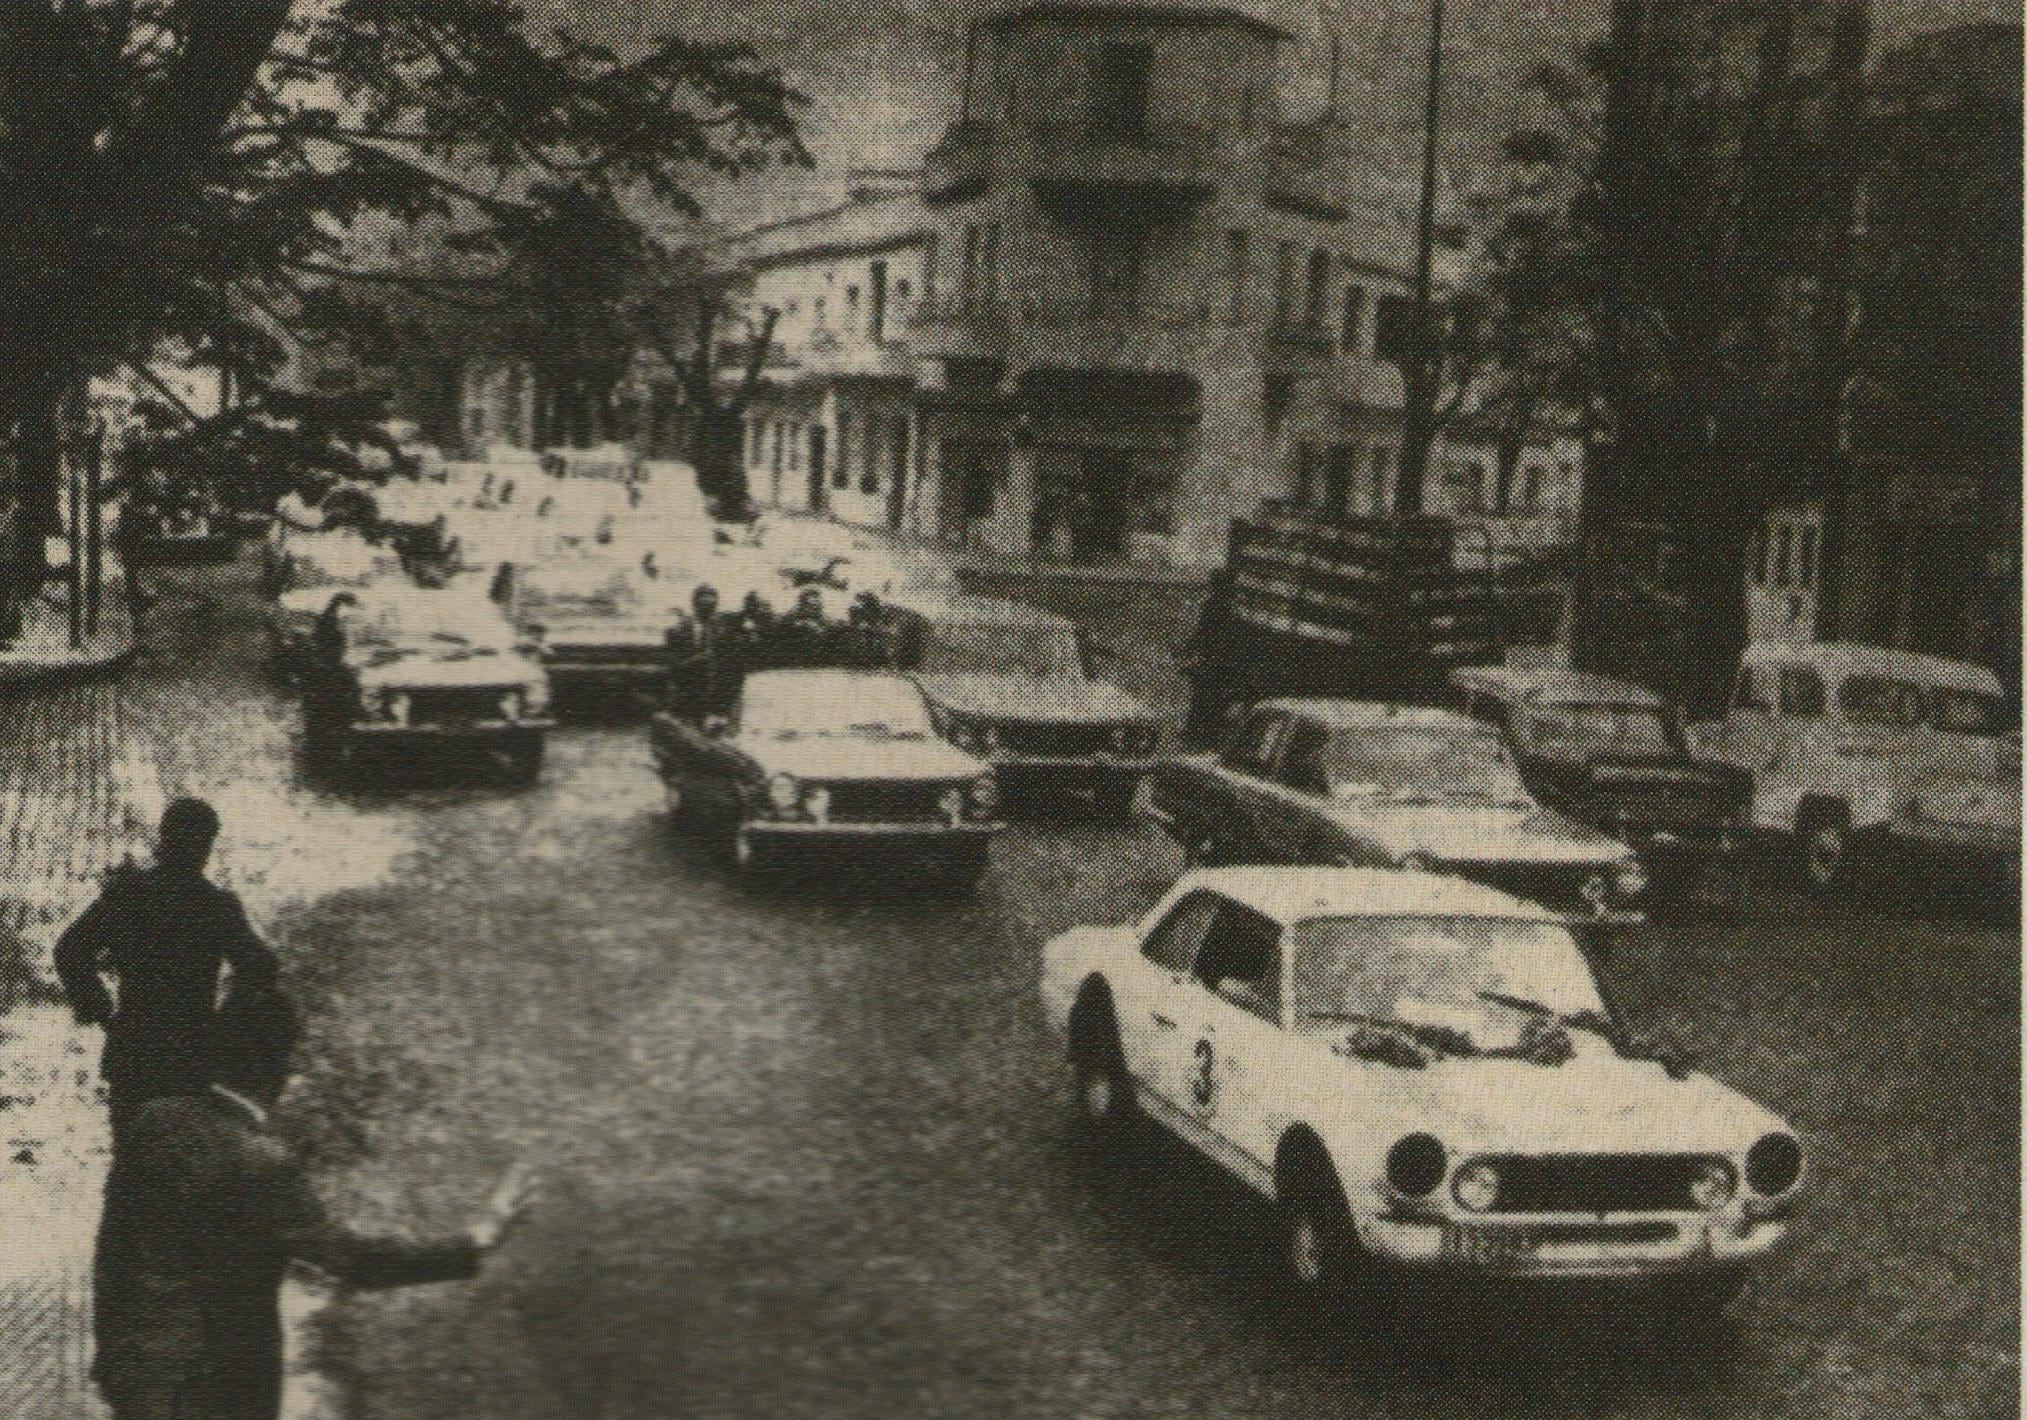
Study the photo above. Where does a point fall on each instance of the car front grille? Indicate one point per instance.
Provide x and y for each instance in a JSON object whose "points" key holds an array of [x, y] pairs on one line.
{"points": [[1055, 739], [592, 653], [888, 801], [1555, 885], [455, 705], [1596, 1183]]}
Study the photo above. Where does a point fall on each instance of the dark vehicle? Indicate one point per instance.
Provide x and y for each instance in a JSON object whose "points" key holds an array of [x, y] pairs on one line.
{"points": [[1351, 784], [828, 760], [1614, 756], [1012, 683], [401, 671]]}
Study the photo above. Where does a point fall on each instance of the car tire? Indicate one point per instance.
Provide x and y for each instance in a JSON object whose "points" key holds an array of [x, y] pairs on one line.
{"points": [[1320, 1252], [1823, 847], [1101, 1089]]}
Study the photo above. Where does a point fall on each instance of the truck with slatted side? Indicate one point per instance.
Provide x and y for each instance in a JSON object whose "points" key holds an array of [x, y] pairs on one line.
{"points": [[1314, 603]]}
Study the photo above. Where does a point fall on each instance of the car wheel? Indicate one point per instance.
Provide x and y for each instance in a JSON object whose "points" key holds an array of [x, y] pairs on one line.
{"points": [[1101, 1090], [1823, 845], [1319, 1247]]}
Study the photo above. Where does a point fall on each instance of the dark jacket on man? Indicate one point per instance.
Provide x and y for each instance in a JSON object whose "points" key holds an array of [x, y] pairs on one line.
{"points": [[162, 932], [204, 1211]]}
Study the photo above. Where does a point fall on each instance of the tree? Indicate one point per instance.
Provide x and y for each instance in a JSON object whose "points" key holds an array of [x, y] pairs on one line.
{"points": [[199, 170], [1708, 171]]}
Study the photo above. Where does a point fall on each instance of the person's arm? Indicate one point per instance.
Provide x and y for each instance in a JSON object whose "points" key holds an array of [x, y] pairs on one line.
{"points": [[252, 960], [289, 1211], [81, 953]]}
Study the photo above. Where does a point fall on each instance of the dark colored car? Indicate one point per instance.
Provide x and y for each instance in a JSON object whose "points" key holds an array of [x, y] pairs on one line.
{"points": [[827, 760], [402, 671], [1013, 684], [1614, 756], [1360, 784]]}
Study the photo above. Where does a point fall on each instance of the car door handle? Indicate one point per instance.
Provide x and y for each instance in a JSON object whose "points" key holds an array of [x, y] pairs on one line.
{"points": [[1163, 1021]]}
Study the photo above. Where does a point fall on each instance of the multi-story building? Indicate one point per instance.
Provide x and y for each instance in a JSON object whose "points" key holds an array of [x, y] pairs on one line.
{"points": [[1124, 301]]}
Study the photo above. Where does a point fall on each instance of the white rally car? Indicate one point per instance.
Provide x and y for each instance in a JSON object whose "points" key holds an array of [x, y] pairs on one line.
{"points": [[1419, 1072]]}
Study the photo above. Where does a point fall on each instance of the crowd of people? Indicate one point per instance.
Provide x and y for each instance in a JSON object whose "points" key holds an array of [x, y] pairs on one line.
{"points": [[205, 1206]]}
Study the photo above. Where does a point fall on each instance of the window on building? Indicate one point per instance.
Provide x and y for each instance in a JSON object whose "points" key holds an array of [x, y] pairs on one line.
{"points": [[1338, 477], [1805, 557], [1319, 290], [1393, 327], [1530, 488], [1750, 693], [877, 326], [1382, 479], [1305, 474], [1351, 330], [1784, 556], [1116, 257], [1238, 260], [852, 309], [841, 465], [1119, 90], [795, 448], [869, 458], [1284, 284]]}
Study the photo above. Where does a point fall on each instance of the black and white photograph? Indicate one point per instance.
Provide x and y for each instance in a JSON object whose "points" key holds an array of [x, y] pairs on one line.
{"points": [[1027, 709]]}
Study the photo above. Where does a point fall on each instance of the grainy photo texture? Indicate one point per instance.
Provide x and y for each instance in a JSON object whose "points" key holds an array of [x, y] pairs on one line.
{"points": [[1010, 708]]}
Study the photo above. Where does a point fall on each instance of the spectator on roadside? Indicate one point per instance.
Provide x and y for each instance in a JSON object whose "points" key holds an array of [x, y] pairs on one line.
{"points": [[302, 507], [756, 615], [163, 934], [204, 1211], [806, 618]]}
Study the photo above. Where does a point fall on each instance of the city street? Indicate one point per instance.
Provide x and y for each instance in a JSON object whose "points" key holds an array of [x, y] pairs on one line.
{"points": [[806, 1148]]}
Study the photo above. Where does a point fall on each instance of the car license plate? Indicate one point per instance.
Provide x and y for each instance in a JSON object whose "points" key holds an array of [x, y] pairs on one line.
{"points": [[1488, 1247]]}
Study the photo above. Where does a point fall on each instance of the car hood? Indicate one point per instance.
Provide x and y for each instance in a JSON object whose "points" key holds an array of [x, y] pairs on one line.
{"points": [[852, 757], [422, 672], [1596, 1103], [1031, 698], [1478, 833]]}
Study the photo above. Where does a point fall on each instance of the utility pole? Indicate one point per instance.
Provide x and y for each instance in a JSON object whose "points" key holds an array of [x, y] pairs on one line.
{"points": [[1419, 417]]}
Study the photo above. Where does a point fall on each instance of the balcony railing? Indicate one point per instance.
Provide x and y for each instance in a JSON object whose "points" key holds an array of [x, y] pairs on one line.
{"points": [[1140, 334], [1172, 163]]}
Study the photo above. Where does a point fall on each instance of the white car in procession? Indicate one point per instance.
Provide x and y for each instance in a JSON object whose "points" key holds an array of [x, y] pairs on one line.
{"points": [[1421, 1073]]}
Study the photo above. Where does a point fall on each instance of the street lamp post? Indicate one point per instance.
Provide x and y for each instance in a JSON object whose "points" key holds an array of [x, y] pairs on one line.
{"points": [[1419, 417]]}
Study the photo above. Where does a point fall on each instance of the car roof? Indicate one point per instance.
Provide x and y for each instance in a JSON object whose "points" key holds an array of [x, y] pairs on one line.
{"points": [[1369, 714], [1288, 895], [1553, 687], [964, 609], [1859, 658]]}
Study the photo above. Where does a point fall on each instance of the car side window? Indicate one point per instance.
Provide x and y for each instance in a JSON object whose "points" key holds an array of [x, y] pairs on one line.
{"points": [[1175, 939], [1302, 763], [1751, 693], [1254, 748], [1241, 961], [1802, 696]]}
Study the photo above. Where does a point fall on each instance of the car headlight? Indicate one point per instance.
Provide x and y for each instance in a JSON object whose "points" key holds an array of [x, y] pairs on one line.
{"points": [[1629, 878], [1477, 1186], [1145, 739], [395, 706], [988, 739], [1122, 739], [816, 802], [984, 795], [1712, 1185], [511, 705], [1416, 1164], [784, 793], [1594, 891], [962, 734], [1773, 1165]]}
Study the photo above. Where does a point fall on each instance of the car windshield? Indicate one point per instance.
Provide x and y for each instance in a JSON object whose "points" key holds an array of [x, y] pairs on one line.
{"points": [[1580, 732], [1002, 648], [1880, 700], [334, 560], [451, 625], [1966, 712], [794, 707], [1482, 976], [1423, 764], [594, 590]]}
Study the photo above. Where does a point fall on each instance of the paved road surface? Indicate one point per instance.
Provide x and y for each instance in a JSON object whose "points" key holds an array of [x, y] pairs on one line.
{"points": [[806, 1147]]}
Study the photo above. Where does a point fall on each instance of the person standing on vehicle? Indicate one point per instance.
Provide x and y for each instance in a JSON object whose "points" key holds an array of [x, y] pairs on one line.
{"points": [[204, 1211], [163, 934]]}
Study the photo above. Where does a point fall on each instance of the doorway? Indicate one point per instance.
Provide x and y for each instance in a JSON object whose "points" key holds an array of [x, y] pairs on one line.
{"points": [[819, 494], [1100, 508]]}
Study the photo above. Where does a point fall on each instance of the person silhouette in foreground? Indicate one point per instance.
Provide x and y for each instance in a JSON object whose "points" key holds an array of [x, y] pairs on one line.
{"points": [[163, 933], [205, 1210]]}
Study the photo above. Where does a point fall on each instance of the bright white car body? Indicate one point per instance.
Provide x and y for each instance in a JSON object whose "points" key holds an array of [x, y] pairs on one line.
{"points": [[1607, 1165], [1851, 745]]}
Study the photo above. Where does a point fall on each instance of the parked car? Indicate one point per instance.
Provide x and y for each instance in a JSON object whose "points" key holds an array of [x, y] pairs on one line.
{"points": [[1355, 783], [305, 570], [601, 623], [831, 760], [1421, 1073], [1615, 756], [1013, 683], [405, 670], [1863, 752]]}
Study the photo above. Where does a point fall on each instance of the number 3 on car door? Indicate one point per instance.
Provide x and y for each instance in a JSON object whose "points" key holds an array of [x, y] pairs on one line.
{"points": [[1204, 1081]]}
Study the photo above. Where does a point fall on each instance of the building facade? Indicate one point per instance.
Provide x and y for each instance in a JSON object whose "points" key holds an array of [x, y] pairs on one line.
{"points": [[1124, 301]]}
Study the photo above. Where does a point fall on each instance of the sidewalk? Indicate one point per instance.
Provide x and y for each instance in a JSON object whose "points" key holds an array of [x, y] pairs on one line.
{"points": [[81, 786], [43, 650]]}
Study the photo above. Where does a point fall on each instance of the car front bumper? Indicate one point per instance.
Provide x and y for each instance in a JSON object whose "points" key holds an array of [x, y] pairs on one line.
{"points": [[906, 836], [564, 671], [1575, 1247], [1081, 775]]}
